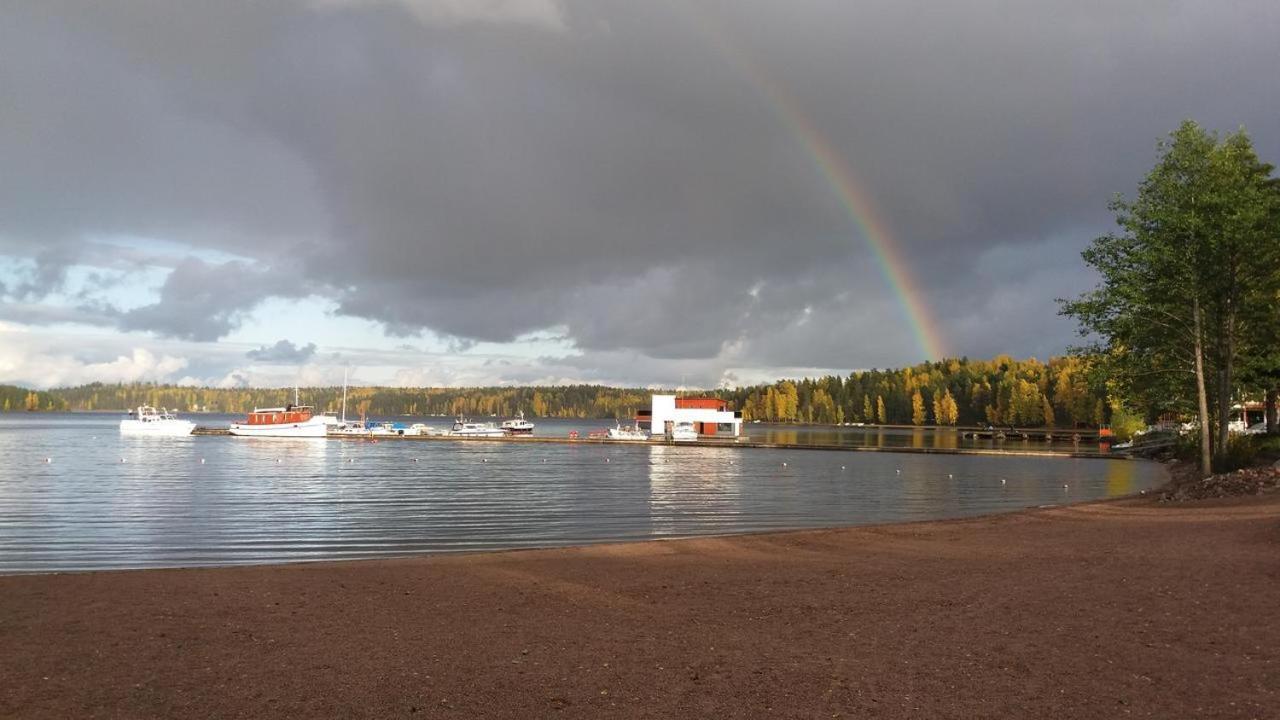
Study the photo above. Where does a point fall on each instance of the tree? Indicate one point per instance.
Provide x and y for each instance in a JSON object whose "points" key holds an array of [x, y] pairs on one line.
{"points": [[880, 414], [917, 409], [946, 412], [1194, 251], [868, 415]]}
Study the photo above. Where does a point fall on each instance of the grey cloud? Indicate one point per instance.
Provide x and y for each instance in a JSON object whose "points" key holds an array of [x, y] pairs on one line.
{"points": [[624, 177], [283, 351], [204, 301]]}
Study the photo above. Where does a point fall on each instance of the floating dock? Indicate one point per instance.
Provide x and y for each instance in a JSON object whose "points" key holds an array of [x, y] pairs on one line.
{"points": [[707, 442]]}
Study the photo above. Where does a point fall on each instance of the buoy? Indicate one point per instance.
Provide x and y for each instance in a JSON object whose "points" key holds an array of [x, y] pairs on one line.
{"points": [[415, 459], [784, 464], [1065, 486], [950, 476], [841, 467], [898, 472], [48, 460], [485, 460], [121, 459], [544, 459], [351, 460], [606, 459], [1003, 481], [277, 459], [201, 461]]}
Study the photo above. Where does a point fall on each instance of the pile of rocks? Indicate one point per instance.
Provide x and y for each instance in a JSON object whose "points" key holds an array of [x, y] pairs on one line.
{"points": [[1250, 481]]}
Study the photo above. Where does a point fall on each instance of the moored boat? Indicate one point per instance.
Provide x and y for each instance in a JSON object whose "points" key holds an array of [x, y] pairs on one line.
{"points": [[630, 432], [149, 421], [466, 428], [684, 432], [518, 426], [293, 420]]}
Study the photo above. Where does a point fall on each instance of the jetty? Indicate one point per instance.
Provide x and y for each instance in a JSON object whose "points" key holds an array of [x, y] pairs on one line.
{"points": [[740, 442]]}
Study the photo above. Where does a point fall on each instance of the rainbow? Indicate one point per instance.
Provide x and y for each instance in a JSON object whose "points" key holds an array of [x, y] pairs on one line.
{"points": [[836, 172]]}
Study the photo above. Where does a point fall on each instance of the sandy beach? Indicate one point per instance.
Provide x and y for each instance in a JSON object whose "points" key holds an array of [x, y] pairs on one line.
{"points": [[1117, 609]]}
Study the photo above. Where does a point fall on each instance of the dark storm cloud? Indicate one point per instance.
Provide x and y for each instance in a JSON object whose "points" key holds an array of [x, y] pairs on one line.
{"points": [[283, 351], [609, 168]]}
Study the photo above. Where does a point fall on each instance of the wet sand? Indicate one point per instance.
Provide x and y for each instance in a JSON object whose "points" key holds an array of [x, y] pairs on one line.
{"points": [[1119, 609]]}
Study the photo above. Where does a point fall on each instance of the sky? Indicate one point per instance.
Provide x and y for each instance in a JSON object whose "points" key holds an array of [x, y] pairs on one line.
{"points": [[694, 193]]}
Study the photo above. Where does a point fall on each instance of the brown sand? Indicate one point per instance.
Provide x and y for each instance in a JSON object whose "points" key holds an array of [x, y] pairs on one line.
{"points": [[1123, 609]]}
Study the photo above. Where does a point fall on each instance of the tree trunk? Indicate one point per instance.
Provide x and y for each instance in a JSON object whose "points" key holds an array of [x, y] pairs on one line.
{"points": [[1224, 384], [1271, 410], [1206, 458]]}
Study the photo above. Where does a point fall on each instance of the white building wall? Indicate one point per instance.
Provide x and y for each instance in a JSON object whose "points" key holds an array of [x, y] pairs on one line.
{"points": [[664, 409]]}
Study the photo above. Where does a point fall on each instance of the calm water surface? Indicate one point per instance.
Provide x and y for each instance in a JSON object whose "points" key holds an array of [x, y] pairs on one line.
{"points": [[107, 501]]}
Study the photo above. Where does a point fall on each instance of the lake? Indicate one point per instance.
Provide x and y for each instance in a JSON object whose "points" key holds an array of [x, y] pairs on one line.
{"points": [[111, 502]]}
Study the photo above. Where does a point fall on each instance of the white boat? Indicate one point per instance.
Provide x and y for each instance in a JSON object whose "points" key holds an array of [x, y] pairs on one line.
{"points": [[297, 421], [330, 419], [146, 420], [630, 432], [354, 427], [466, 428], [684, 432], [518, 426]]}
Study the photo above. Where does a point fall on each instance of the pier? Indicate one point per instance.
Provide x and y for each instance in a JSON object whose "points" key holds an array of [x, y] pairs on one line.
{"points": [[741, 442]]}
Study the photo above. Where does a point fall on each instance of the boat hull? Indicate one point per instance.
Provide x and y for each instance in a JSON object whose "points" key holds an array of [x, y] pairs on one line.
{"points": [[163, 428], [313, 428]]}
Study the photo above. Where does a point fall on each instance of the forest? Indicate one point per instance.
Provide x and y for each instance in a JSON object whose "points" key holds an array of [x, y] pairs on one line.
{"points": [[1001, 391]]}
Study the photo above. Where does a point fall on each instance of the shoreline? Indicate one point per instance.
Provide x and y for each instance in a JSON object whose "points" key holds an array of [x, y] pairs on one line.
{"points": [[1121, 606]]}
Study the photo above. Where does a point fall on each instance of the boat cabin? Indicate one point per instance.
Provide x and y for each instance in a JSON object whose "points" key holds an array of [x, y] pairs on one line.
{"points": [[279, 416]]}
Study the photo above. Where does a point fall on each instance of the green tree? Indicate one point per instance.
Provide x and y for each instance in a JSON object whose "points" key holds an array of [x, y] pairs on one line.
{"points": [[1194, 251]]}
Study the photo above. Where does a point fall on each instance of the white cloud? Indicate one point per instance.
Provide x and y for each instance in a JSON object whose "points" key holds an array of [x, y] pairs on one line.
{"points": [[24, 362]]}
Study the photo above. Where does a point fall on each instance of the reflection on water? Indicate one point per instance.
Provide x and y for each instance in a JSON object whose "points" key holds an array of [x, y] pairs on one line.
{"points": [[106, 501]]}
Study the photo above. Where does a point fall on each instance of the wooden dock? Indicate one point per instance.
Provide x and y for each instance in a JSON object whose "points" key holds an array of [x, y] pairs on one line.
{"points": [[707, 442]]}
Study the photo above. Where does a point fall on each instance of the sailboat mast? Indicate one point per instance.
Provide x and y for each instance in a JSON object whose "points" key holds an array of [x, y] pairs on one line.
{"points": [[344, 396]]}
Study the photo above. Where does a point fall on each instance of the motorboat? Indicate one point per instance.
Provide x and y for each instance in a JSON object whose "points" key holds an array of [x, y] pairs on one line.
{"points": [[149, 421], [292, 420], [518, 426], [630, 432], [684, 432], [351, 428], [422, 430], [466, 428]]}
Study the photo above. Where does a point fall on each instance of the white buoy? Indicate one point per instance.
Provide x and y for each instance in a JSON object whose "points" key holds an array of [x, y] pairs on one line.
{"points": [[1065, 486], [48, 460], [1003, 481], [544, 459], [201, 461], [950, 476], [121, 459], [606, 459], [277, 459], [784, 464], [351, 460], [485, 460], [415, 459], [898, 472], [841, 467]]}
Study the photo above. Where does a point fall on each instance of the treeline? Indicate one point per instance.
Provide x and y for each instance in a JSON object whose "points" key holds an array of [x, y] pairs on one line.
{"points": [[570, 401], [1002, 391], [14, 398]]}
